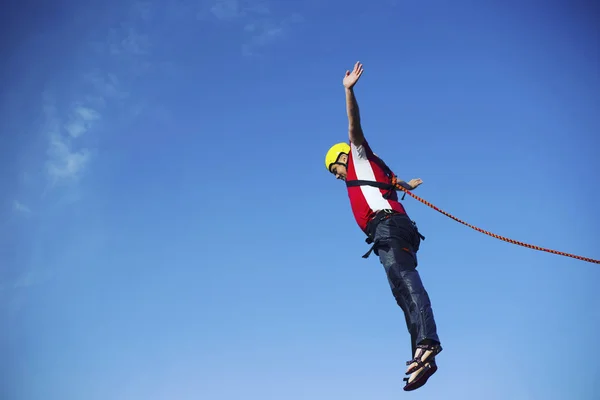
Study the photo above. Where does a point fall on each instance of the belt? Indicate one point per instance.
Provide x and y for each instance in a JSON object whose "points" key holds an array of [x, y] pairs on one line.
{"points": [[379, 216]]}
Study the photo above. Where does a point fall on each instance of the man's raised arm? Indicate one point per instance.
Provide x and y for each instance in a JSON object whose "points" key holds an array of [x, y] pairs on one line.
{"points": [[355, 131]]}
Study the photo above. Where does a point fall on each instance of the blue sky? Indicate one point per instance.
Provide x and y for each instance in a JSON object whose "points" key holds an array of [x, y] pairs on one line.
{"points": [[169, 230]]}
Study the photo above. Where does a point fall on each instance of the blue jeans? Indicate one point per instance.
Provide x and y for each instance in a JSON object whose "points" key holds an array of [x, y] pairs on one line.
{"points": [[397, 242]]}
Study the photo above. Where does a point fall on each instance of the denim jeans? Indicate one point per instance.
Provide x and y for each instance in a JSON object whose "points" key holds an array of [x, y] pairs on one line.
{"points": [[397, 242]]}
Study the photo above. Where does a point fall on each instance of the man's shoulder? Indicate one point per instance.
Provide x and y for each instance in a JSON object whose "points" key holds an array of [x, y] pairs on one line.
{"points": [[363, 150], [364, 143]]}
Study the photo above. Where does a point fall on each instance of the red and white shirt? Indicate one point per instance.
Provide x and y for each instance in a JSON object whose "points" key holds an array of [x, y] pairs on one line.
{"points": [[367, 200]]}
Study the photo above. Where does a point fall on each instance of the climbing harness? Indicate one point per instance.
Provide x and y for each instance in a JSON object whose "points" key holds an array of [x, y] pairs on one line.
{"points": [[395, 185], [372, 226]]}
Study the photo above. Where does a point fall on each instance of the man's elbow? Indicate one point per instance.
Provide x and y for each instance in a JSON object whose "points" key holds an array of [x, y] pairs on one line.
{"points": [[356, 134]]}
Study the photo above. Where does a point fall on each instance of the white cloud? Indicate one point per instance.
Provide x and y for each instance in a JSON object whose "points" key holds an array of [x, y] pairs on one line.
{"points": [[30, 278], [73, 112], [260, 25], [227, 9], [104, 86], [261, 33], [65, 163], [20, 207], [81, 121], [67, 128], [128, 41], [143, 10], [86, 114], [25, 280]]}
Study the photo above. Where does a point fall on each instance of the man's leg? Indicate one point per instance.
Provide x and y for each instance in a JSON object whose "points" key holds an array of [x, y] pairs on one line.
{"points": [[412, 297], [396, 249], [410, 294]]}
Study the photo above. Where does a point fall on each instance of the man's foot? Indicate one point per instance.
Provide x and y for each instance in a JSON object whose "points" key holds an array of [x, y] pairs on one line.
{"points": [[420, 376], [423, 354]]}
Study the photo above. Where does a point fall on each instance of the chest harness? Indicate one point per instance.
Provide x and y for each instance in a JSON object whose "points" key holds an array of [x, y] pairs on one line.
{"points": [[381, 215]]}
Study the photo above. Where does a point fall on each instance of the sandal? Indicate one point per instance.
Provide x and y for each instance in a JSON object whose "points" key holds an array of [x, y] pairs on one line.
{"points": [[422, 375], [419, 361]]}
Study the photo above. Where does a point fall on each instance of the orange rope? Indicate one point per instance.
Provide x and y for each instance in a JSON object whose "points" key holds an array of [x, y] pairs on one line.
{"points": [[560, 253]]}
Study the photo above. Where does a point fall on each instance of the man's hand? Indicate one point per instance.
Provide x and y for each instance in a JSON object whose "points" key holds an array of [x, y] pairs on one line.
{"points": [[351, 78], [413, 183]]}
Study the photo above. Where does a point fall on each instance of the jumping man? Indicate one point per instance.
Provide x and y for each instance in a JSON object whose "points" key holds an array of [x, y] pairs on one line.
{"points": [[394, 236]]}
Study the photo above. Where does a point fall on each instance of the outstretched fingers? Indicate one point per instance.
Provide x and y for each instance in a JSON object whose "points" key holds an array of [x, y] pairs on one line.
{"points": [[358, 68]]}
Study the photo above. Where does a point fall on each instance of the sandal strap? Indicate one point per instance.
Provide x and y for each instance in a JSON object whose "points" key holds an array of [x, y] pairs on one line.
{"points": [[436, 348], [415, 360]]}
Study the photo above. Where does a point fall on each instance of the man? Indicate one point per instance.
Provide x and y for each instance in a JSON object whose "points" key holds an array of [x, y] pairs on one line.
{"points": [[394, 236]]}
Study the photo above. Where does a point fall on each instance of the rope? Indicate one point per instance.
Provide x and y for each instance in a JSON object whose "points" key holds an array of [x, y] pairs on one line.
{"points": [[560, 253]]}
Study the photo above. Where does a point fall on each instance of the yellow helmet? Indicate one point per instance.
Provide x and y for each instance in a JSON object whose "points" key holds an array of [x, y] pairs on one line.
{"points": [[334, 152]]}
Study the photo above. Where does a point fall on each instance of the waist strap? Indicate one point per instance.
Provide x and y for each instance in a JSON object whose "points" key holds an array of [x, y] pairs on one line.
{"points": [[382, 215]]}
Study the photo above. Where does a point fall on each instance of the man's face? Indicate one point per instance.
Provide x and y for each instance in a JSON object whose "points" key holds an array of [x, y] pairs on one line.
{"points": [[340, 170]]}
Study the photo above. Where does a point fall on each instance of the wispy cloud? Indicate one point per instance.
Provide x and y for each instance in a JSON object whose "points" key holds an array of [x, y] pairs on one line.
{"points": [[21, 208], [259, 24], [128, 41], [227, 10], [69, 126], [81, 120], [143, 10], [66, 161], [75, 110], [28, 279], [104, 86], [263, 32]]}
